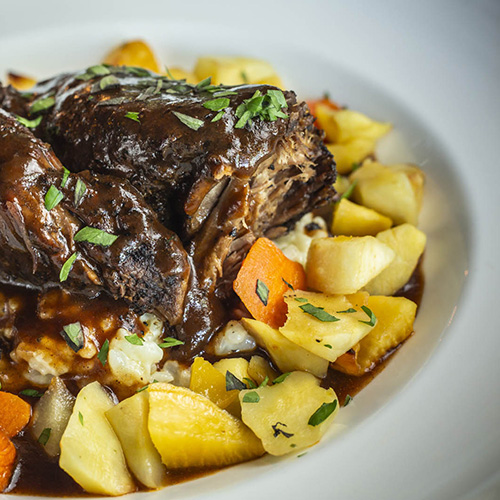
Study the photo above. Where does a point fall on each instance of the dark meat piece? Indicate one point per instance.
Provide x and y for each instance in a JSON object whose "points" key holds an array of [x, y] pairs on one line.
{"points": [[146, 265]]}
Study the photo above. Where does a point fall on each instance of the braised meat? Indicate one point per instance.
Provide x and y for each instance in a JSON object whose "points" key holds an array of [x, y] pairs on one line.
{"points": [[131, 256]]}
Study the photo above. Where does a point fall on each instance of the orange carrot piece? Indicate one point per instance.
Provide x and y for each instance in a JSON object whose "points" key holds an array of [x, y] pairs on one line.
{"points": [[15, 413], [265, 276], [325, 101], [7, 460]]}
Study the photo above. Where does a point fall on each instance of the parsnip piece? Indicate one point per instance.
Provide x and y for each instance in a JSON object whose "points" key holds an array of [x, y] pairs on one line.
{"points": [[326, 339], [236, 71], [350, 219], [211, 383], [408, 243], [53, 411], [134, 53], [393, 190], [259, 368], [351, 152], [190, 431], [91, 452], [287, 355], [280, 415], [129, 420], [345, 264]]}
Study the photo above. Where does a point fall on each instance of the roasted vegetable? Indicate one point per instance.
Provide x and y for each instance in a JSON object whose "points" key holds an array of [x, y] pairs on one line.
{"points": [[259, 369], [134, 53], [20, 82], [15, 414], [7, 460]]}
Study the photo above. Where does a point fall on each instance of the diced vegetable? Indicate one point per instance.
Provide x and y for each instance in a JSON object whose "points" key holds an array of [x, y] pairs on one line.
{"points": [[264, 277], [345, 264], [236, 71], [190, 431], [134, 53], [259, 369], [287, 355], [129, 420], [408, 243], [237, 366], [20, 82], [325, 325], [91, 453], [15, 413], [53, 412], [395, 317], [393, 190], [352, 152], [7, 460], [281, 415], [211, 383]]}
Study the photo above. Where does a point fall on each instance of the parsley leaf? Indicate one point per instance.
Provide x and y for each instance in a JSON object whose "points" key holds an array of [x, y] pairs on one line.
{"points": [[134, 339], [73, 335], [80, 189], [190, 121], [262, 292], [319, 313], [348, 192], [350, 310], [278, 431], [369, 313], [217, 117], [29, 123], [251, 384], [170, 342], [322, 413], [217, 104], [32, 393], [102, 356], [65, 177], [95, 236], [347, 400], [234, 383], [42, 104], [289, 285], [133, 115], [44, 436], [67, 266], [300, 299], [281, 378], [53, 197], [251, 397], [80, 417], [108, 81]]}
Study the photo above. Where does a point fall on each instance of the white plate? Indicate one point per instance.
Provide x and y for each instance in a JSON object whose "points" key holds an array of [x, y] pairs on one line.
{"points": [[427, 427]]}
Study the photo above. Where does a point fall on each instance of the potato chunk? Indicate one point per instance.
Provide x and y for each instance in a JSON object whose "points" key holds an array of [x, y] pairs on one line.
{"points": [[334, 333], [259, 368], [352, 152], [287, 355], [408, 243], [190, 431], [237, 366], [395, 191], [281, 415], [236, 71], [20, 82], [395, 317], [351, 219], [134, 53], [53, 411], [344, 264], [129, 420], [91, 453]]}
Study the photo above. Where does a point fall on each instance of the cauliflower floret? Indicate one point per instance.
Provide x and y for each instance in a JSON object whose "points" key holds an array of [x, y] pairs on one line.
{"points": [[233, 338], [296, 243]]}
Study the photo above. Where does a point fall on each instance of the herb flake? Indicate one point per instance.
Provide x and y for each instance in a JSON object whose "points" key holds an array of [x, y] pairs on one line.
{"points": [[217, 104], [95, 236], [133, 115], [251, 397], [44, 436], [108, 81], [369, 313], [348, 192], [80, 190], [134, 339], [52, 198], [32, 393], [102, 355], [170, 342], [65, 177], [234, 383], [67, 266], [278, 431], [73, 335], [319, 313], [42, 104], [80, 417], [281, 378], [262, 292], [29, 123], [322, 413], [189, 121], [347, 400]]}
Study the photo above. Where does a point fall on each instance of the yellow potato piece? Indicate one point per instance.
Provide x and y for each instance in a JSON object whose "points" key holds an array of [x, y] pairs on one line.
{"points": [[285, 354], [355, 220], [236, 71], [211, 383], [351, 152], [237, 366], [395, 317], [190, 431], [345, 264], [20, 82], [342, 183], [134, 53], [129, 420], [91, 452], [259, 369], [280, 415], [326, 339], [408, 243], [395, 191]]}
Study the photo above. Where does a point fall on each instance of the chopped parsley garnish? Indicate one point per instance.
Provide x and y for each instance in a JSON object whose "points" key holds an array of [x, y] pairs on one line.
{"points": [[251, 384], [347, 311], [93, 71], [102, 355], [132, 115], [29, 123], [234, 383], [281, 378], [223, 93], [42, 104], [53, 197], [347, 400], [217, 117], [319, 313], [251, 397], [32, 393], [80, 417], [73, 335], [80, 189], [189, 121], [95, 236], [322, 413], [348, 192], [264, 382], [328, 345], [267, 107], [244, 77], [355, 166], [108, 81], [204, 83], [134, 339], [302, 454], [67, 266], [44, 436], [65, 177], [262, 292], [289, 285], [170, 342], [300, 299], [146, 386], [278, 431], [369, 313], [217, 104]]}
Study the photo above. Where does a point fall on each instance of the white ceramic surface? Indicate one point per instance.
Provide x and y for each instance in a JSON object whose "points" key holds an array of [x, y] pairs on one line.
{"points": [[427, 427]]}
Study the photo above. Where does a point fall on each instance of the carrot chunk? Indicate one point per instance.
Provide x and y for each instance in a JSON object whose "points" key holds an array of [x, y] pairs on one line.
{"points": [[7, 460], [15, 413], [265, 276]]}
